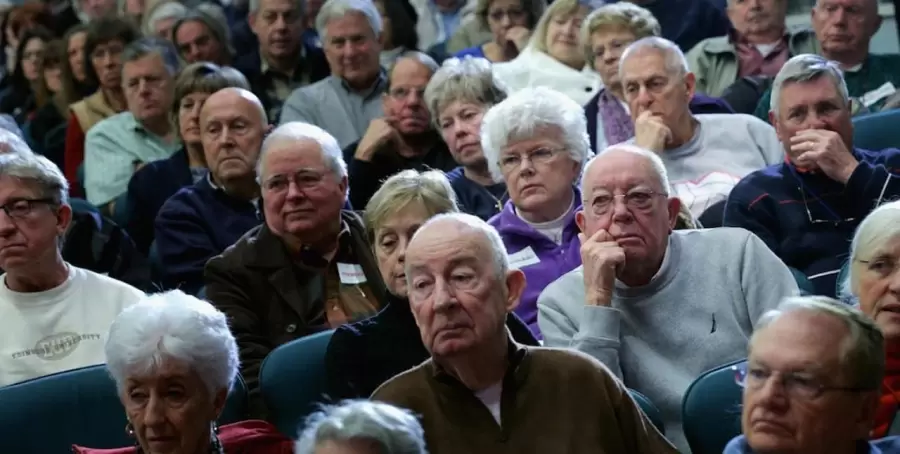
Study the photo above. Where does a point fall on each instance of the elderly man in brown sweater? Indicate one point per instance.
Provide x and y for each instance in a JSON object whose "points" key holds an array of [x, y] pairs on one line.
{"points": [[481, 392]]}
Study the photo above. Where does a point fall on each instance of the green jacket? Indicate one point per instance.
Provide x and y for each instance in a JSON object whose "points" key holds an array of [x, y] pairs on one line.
{"points": [[714, 61], [875, 72]]}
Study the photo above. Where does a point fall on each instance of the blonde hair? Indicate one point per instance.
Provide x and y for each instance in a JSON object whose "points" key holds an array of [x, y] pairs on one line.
{"points": [[430, 189], [618, 16], [558, 8]]}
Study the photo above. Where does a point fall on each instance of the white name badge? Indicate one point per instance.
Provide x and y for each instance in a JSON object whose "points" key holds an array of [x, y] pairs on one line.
{"points": [[351, 273], [523, 258], [878, 94]]}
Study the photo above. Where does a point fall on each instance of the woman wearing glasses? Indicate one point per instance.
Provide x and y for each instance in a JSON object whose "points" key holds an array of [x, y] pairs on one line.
{"points": [[873, 281], [510, 23], [535, 142]]}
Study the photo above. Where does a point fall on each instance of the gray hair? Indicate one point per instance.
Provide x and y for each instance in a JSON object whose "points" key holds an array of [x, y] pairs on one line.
{"points": [[12, 141], [615, 16], [656, 163], [297, 130], [172, 325], [419, 56], [675, 62], [36, 171], [874, 232], [212, 17], [469, 79], [254, 6], [525, 112], [394, 430], [807, 68], [143, 47], [336, 9], [498, 249], [862, 355], [431, 190], [170, 10]]}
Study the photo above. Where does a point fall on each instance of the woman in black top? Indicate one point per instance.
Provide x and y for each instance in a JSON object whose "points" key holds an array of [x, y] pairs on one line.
{"points": [[363, 355], [25, 93]]}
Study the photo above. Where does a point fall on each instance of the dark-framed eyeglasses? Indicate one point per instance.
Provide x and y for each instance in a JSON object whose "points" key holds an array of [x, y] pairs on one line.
{"points": [[304, 179], [635, 199], [22, 208], [794, 385], [835, 222]]}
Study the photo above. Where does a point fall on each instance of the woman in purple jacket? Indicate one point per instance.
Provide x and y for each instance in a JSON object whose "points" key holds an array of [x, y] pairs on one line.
{"points": [[536, 142]]}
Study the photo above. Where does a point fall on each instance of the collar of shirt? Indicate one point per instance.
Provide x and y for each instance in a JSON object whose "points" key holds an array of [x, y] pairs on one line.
{"points": [[309, 259], [265, 67], [377, 87], [216, 187]]}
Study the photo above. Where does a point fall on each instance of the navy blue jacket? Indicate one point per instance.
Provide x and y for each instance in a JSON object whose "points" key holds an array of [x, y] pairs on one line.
{"points": [[687, 22], [700, 104], [769, 203], [195, 225], [888, 445], [149, 189], [476, 199]]}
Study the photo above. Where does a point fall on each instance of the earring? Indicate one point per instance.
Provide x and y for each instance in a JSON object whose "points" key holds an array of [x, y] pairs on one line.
{"points": [[129, 429]]}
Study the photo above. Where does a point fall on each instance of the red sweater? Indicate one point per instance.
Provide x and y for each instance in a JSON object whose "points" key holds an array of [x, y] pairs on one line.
{"points": [[890, 393], [246, 437]]}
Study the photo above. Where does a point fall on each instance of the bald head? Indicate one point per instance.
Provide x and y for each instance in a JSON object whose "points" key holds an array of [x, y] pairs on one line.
{"points": [[236, 98], [628, 164], [459, 231]]}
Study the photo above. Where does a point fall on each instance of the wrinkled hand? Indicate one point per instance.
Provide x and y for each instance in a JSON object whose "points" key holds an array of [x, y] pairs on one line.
{"points": [[379, 133], [651, 133], [519, 36], [823, 150], [602, 257]]}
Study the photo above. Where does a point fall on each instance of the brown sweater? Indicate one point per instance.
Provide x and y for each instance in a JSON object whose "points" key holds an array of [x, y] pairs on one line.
{"points": [[553, 401]]}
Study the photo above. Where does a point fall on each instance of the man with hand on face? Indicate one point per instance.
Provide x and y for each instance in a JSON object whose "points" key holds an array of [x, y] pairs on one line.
{"points": [[404, 138], [705, 155], [650, 302], [807, 207]]}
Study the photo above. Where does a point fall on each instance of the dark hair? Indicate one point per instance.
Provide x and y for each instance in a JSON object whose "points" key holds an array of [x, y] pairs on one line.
{"points": [[205, 77], [103, 31], [55, 56], [73, 89], [143, 47], [216, 29], [403, 25], [28, 15], [17, 80]]}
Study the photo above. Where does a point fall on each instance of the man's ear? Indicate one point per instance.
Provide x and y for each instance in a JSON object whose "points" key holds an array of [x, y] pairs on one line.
{"points": [[690, 83], [579, 219], [515, 287], [674, 204], [63, 219]]}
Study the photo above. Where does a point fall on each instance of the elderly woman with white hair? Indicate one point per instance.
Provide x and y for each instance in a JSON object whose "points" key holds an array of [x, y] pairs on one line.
{"points": [[536, 142], [873, 281], [458, 96], [362, 427], [554, 57], [174, 361]]}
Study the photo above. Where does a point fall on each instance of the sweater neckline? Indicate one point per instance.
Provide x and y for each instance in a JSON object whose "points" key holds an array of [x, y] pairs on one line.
{"points": [[666, 273]]}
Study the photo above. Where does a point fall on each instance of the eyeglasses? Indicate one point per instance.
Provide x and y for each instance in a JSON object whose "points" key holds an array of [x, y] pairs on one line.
{"points": [[22, 208], [835, 222], [794, 385], [635, 199], [402, 93], [539, 156], [304, 179]]}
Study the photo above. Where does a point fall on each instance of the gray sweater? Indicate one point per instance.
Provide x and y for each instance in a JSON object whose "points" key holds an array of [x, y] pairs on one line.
{"points": [[697, 313]]}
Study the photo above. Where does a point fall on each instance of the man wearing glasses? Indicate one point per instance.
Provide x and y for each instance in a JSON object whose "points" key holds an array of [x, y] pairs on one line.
{"points": [[658, 307], [53, 316], [812, 382], [807, 207], [404, 138]]}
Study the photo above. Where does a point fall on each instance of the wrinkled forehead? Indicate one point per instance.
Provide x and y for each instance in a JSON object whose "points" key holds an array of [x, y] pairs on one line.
{"points": [[620, 170], [643, 64], [441, 244]]}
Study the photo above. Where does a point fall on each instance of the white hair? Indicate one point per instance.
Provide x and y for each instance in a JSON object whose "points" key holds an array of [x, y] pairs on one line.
{"points": [[420, 57], [35, 170], [498, 249], [172, 325], [656, 163], [522, 116], [336, 9], [468, 79], [295, 131], [394, 430], [807, 68], [171, 10], [877, 229], [675, 62], [12, 142]]}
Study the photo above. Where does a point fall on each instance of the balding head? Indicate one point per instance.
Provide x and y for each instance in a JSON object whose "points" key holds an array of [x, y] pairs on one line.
{"points": [[232, 126], [404, 102], [233, 96], [459, 285]]}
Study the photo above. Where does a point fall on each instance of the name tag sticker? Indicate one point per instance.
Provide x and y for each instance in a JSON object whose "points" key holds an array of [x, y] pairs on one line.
{"points": [[351, 273], [878, 94], [523, 258]]}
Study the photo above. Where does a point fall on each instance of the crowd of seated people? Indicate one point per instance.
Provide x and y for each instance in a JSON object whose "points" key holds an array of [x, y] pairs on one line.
{"points": [[523, 225]]}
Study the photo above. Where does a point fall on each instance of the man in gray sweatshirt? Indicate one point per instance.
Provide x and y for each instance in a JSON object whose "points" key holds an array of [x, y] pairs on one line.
{"points": [[658, 307]]}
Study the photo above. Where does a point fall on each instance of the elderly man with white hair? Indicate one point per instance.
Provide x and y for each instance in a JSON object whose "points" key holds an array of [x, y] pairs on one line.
{"points": [[811, 382], [53, 316], [651, 302], [536, 142], [309, 267], [345, 102], [362, 427], [705, 155], [807, 207], [481, 392]]}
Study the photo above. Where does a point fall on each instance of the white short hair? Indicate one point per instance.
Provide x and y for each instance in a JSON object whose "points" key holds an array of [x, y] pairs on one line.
{"points": [[877, 229], [336, 9], [467, 79], [807, 68], [656, 163], [675, 62], [12, 142], [36, 171], [295, 131], [170, 10], [172, 325], [498, 249], [522, 114], [394, 430]]}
